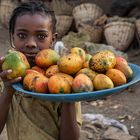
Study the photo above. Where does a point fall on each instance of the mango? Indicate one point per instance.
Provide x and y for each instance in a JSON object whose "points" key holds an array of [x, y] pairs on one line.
{"points": [[87, 71], [70, 63], [58, 84], [69, 78], [52, 70], [46, 58], [16, 61], [122, 65], [82, 83], [40, 70], [101, 81], [116, 76], [102, 61], [87, 59], [79, 51], [36, 82]]}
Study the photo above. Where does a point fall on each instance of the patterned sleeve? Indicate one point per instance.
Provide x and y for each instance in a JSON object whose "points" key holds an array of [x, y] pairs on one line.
{"points": [[1, 86]]}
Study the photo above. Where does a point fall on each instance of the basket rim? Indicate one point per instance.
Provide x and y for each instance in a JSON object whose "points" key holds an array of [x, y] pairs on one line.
{"points": [[86, 4], [119, 23]]}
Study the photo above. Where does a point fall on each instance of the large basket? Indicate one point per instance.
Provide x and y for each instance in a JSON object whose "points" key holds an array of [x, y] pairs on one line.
{"points": [[86, 12], [6, 8], [95, 32], [137, 23], [63, 24], [119, 34]]}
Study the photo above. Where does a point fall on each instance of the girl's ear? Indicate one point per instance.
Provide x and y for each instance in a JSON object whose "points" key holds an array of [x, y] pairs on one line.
{"points": [[54, 38]]}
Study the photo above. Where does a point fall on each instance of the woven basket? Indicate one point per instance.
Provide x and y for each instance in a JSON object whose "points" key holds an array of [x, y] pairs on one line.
{"points": [[63, 24], [6, 8], [86, 12], [119, 34], [137, 23], [95, 32]]}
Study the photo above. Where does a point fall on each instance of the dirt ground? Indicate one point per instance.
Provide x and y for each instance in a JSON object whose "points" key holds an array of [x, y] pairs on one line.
{"points": [[124, 107]]}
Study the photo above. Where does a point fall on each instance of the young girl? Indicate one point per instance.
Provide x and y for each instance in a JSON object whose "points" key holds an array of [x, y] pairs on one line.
{"points": [[32, 28]]}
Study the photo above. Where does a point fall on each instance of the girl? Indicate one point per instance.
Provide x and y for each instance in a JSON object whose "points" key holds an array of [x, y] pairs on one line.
{"points": [[32, 28]]}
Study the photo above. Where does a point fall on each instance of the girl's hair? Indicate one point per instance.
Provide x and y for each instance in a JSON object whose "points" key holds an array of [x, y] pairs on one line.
{"points": [[31, 7]]}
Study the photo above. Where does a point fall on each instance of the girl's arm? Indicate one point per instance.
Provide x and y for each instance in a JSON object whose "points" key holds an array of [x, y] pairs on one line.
{"points": [[5, 100], [69, 129], [6, 96]]}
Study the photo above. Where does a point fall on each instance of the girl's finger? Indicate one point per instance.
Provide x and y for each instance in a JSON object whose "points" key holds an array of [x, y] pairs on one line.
{"points": [[18, 79], [5, 73], [2, 59]]}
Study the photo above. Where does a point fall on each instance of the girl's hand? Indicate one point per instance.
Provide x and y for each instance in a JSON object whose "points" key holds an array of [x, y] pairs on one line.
{"points": [[3, 75]]}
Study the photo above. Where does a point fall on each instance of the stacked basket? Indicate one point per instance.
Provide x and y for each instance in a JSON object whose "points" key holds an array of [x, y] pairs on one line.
{"points": [[119, 34], [85, 15], [63, 24], [138, 27], [6, 7]]}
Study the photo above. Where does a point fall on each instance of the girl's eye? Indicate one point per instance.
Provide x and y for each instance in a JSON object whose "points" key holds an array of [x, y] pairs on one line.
{"points": [[41, 36], [21, 36]]}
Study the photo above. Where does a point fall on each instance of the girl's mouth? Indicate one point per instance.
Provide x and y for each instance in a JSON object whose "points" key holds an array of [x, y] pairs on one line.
{"points": [[30, 54]]}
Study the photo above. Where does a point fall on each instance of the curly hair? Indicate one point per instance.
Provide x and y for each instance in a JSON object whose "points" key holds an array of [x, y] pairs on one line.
{"points": [[31, 7]]}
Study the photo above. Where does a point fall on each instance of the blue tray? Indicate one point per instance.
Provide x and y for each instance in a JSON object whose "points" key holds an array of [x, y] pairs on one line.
{"points": [[72, 97]]}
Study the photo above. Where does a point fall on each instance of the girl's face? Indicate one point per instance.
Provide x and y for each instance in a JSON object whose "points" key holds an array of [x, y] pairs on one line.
{"points": [[33, 33]]}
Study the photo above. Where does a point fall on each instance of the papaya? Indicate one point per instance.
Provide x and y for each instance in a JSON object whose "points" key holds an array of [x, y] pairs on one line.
{"points": [[87, 59], [70, 63], [37, 68], [79, 51], [35, 81], [58, 85], [16, 61], [82, 83], [102, 61], [46, 58], [101, 81], [52, 70]]}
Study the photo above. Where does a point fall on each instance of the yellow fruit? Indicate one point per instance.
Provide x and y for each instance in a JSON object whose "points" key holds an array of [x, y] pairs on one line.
{"points": [[102, 61], [52, 70], [70, 64], [87, 71], [82, 83], [122, 65], [69, 78], [116, 76], [35, 81], [46, 58], [101, 81], [16, 61], [79, 51], [58, 84], [87, 59]]}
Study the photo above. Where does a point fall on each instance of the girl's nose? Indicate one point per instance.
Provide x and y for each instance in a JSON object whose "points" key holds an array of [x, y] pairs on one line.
{"points": [[31, 43]]}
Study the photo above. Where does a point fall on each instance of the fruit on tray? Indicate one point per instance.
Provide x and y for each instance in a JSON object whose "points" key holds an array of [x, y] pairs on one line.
{"points": [[101, 81], [122, 65], [102, 61], [70, 64], [116, 76], [52, 70], [36, 82], [79, 51], [46, 58], [82, 83], [16, 61], [104, 70], [58, 84]]}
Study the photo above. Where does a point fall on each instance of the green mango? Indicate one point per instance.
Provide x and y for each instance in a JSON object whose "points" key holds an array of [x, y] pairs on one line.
{"points": [[16, 61]]}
